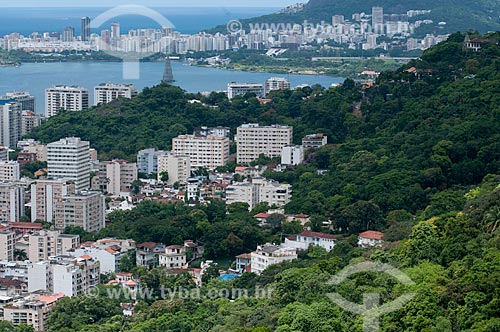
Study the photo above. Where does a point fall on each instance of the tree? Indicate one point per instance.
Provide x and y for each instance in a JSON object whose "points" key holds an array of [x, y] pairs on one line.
{"points": [[164, 176], [210, 273], [136, 186]]}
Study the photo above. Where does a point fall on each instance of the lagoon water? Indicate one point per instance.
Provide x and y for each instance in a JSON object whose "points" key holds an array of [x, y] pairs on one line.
{"points": [[36, 77]]}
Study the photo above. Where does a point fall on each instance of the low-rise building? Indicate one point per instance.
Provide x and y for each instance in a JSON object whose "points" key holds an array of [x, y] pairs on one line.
{"points": [[109, 252], [240, 89], [243, 262], [148, 252], [314, 141], [14, 270], [270, 254], [174, 257], [306, 239], [370, 239], [257, 191]]}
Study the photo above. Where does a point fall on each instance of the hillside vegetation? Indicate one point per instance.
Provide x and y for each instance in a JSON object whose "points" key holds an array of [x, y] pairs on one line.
{"points": [[417, 156]]}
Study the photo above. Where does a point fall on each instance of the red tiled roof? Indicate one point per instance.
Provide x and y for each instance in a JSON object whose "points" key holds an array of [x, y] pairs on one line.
{"points": [[174, 247], [262, 215], [26, 225], [372, 235], [244, 256], [87, 257], [318, 234], [301, 215], [149, 245], [11, 282]]}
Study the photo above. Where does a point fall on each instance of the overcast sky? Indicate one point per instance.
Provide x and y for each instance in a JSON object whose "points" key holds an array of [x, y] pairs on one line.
{"points": [[151, 3]]}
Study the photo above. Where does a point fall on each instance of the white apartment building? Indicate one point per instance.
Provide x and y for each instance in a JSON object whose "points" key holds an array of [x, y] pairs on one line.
{"points": [[109, 252], [173, 258], [119, 176], [71, 276], [46, 244], [257, 191], [10, 123], [44, 196], [314, 141], [33, 311], [240, 89], [63, 97], [270, 254], [69, 158], [292, 155], [254, 140], [11, 202], [7, 241], [106, 92], [276, 83], [306, 239], [203, 151], [177, 167], [14, 270], [86, 209], [9, 171]]}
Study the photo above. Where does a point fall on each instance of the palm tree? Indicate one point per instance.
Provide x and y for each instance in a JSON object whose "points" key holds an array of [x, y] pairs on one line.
{"points": [[20, 255], [492, 218]]}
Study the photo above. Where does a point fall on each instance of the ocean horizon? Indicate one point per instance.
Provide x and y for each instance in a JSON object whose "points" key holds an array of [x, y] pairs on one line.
{"points": [[187, 20]]}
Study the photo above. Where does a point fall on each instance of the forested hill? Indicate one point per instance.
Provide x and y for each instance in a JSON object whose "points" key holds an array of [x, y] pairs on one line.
{"points": [[460, 15], [417, 156]]}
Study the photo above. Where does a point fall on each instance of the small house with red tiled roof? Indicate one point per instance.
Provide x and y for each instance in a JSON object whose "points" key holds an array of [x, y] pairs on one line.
{"points": [[370, 239], [306, 239]]}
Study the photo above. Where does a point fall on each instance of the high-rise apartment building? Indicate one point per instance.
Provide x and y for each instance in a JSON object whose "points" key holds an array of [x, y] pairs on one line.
{"points": [[46, 244], [9, 171], [10, 122], [106, 92], [254, 140], [69, 159], [178, 168], [29, 121], [68, 35], [85, 29], [64, 274], [44, 196], [11, 202], [119, 175], [378, 20], [203, 151], [7, 241], [26, 100], [85, 209], [147, 160], [63, 97]]}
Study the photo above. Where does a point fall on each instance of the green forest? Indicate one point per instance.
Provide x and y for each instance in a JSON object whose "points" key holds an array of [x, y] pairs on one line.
{"points": [[416, 156]]}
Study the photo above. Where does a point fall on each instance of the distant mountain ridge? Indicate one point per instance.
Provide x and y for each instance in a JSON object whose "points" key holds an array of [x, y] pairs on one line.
{"points": [[459, 15]]}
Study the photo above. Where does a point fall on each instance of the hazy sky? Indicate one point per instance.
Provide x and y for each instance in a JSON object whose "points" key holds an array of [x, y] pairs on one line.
{"points": [[151, 3]]}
